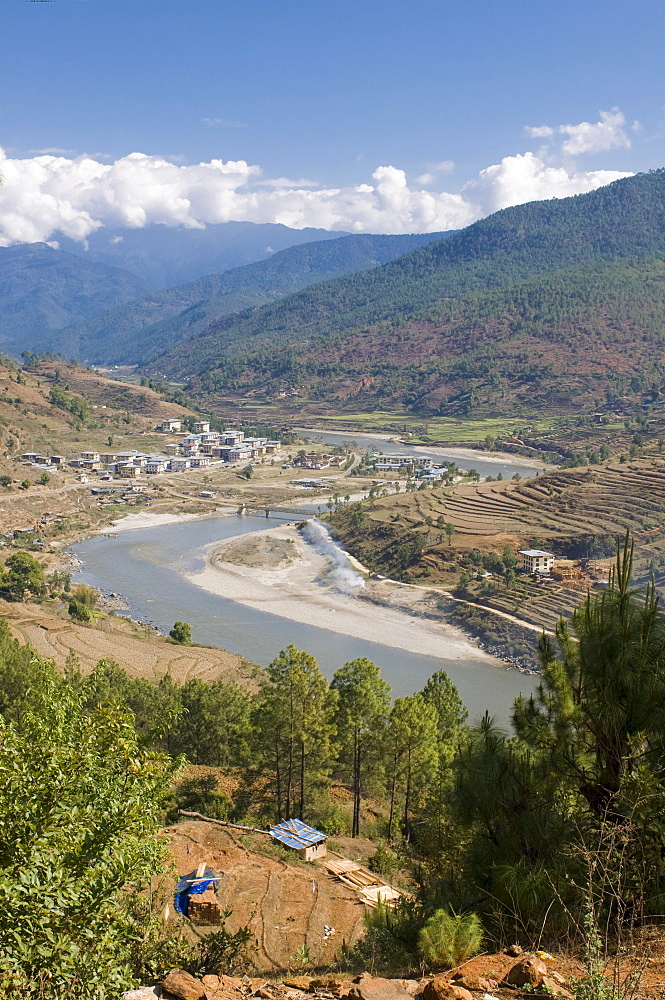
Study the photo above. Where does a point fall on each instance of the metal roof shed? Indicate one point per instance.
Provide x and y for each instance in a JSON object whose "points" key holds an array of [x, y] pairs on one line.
{"points": [[308, 842]]}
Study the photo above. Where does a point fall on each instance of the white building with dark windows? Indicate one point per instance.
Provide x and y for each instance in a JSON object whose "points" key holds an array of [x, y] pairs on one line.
{"points": [[536, 561]]}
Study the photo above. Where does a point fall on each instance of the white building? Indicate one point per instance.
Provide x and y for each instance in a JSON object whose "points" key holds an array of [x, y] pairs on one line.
{"points": [[201, 426], [170, 426], [155, 465], [536, 561]]}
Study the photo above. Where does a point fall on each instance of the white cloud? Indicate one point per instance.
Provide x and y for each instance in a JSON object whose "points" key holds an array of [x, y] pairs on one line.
{"points": [[606, 134], [286, 182], [47, 194], [526, 177], [55, 150], [539, 131], [588, 137]]}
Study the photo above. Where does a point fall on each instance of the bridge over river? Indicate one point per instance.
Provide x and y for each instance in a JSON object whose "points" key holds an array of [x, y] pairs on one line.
{"points": [[280, 510]]}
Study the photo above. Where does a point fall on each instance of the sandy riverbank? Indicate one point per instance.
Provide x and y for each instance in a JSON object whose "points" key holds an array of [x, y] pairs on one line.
{"points": [[495, 457], [147, 520], [321, 587]]}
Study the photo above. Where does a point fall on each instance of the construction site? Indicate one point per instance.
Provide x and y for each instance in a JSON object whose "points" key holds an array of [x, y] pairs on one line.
{"points": [[291, 905]]}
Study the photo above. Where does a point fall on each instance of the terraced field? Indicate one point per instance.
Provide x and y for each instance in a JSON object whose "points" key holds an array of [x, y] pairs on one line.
{"points": [[564, 507]]}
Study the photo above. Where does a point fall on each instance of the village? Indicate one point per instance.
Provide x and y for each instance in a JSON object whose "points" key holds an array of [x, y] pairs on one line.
{"points": [[195, 450]]}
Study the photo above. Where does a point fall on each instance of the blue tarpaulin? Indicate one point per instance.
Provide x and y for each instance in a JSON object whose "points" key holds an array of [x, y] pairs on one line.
{"points": [[192, 885]]}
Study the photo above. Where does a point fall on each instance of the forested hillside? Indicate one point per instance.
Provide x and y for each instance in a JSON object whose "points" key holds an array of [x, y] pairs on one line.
{"points": [[394, 329], [141, 329], [42, 289], [574, 337]]}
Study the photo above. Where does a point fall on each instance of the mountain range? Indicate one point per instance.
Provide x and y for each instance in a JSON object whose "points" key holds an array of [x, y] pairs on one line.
{"points": [[54, 301], [140, 330], [162, 256], [556, 303]]}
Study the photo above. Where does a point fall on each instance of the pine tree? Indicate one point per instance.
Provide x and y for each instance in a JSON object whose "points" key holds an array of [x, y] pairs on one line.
{"points": [[361, 718]]}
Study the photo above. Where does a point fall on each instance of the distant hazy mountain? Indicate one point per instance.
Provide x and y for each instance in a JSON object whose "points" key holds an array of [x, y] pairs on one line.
{"points": [[165, 255], [143, 329], [42, 289], [552, 303]]}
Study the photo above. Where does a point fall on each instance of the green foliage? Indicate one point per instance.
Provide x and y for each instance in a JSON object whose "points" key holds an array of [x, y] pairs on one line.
{"points": [[78, 803], [182, 633], [390, 944], [384, 861], [220, 952], [23, 577], [294, 719], [78, 407], [413, 755], [447, 939], [79, 611]]}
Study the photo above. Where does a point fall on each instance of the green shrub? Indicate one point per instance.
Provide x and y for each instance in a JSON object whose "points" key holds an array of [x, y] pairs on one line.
{"points": [[384, 861], [448, 938], [79, 611], [182, 633]]}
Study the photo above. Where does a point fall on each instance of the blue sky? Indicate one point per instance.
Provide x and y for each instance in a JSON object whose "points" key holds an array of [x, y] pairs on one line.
{"points": [[326, 93]]}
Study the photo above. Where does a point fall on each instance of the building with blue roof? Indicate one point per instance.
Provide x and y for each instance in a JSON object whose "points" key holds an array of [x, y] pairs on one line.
{"points": [[298, 836]]}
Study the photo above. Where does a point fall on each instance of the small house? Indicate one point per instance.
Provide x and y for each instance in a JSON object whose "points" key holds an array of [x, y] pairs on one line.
{"points": [[201, 426], [536, 561], [298, 836]]}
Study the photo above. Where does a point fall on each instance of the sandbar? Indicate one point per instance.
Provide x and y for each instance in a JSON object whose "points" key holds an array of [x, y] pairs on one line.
{"points": [[321, 587]]}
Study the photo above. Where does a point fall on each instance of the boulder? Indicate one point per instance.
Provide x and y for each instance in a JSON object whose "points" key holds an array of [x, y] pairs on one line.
{"points": [[441, 988], [336, 984], [368, 987], [412, 986], [183, 986], [527, 972], [222, 988], [552, 987], [514, 950], [474, 983], [299, 982]]}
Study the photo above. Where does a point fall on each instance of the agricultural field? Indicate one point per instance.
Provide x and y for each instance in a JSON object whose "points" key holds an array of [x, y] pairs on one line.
{"points": [[465, 537], [565, 509]]}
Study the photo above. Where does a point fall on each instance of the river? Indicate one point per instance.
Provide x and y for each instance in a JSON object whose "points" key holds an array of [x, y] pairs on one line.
{"points": [[483, 464], [146, 567]]}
